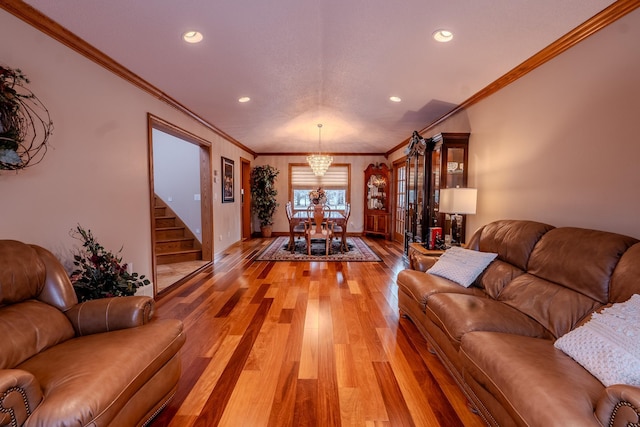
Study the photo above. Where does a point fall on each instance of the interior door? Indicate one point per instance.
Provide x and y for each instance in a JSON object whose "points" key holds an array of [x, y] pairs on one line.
{"points": [[399, 213], [245, 197]]}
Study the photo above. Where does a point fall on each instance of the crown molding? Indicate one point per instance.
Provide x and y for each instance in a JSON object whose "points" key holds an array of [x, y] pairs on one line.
{"points": [[329, 154], [609, 15], [54, 30]]}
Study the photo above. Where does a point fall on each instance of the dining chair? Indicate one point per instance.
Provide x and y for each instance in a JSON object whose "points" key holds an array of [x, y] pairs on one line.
{"points": [[296, 227], [341, 229], [319, 226]]}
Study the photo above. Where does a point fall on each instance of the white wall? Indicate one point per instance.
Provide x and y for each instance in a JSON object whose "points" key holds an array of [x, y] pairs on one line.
{"points": [[176, 178], [96, 170], [562, 144]]}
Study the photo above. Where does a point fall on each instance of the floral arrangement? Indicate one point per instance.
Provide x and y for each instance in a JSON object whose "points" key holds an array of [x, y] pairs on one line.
{"points": [[318, 197], [100, 273], [25, 124]]}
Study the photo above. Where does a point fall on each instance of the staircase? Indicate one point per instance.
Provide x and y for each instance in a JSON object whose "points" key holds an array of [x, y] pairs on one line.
{"points": [[174, 241]]}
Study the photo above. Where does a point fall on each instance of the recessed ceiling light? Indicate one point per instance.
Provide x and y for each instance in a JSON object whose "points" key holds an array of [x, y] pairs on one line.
{"points": [[442, 36], [244, 99], [395, 99], [192, 37]]}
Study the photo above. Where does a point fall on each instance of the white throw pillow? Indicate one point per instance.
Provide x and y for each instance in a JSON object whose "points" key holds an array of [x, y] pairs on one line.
{"points": [[461, 265], [608, 345]]}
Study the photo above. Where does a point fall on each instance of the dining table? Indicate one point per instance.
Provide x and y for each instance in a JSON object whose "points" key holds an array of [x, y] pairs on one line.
{"points": [[304, 215]]}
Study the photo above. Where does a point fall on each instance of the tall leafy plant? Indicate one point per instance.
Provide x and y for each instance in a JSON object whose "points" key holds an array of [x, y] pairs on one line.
{"points": [[263, 193]]}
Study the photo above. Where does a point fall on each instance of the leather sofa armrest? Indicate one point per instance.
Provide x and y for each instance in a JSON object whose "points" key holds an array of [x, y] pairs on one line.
{"points": [[111, 314], [619, 406], [420, 262], [20, 394]]}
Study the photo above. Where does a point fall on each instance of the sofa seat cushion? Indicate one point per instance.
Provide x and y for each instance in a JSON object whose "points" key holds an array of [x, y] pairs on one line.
{"points": [[458, 314], [532, 379], [420, 286], [88, 380]]}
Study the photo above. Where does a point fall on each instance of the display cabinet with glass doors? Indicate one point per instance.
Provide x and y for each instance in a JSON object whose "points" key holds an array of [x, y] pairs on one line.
{"points": [[377, 212], [433, 163]]}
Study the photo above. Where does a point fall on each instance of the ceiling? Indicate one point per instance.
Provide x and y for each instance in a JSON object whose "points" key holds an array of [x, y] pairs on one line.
{"points": [[304, 62]]}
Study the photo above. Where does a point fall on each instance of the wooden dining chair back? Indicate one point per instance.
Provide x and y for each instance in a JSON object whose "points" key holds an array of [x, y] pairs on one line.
{"points": [[319, 226], [340, 228], [296, 227]]}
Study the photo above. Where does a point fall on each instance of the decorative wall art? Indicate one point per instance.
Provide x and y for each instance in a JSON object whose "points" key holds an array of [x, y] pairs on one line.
{"points": [[227, 180], [25, 124]]}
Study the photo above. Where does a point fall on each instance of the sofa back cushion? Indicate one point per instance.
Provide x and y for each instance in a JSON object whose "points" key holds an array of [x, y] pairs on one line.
{"points": [[34, 291], [568, 277], [579, 259], [31, 327], [496, 277], [555, 307], [625, 280], [513, 241], [22, 273]]}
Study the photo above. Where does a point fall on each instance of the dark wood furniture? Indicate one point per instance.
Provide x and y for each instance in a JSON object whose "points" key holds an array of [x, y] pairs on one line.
{"points": [[320, 228], [432, 163], [377, 213], [296, 228], [300, 218]]}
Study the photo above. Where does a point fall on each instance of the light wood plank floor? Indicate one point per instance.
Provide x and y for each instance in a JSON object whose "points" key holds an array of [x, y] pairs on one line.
{"points": [[304, 344]]}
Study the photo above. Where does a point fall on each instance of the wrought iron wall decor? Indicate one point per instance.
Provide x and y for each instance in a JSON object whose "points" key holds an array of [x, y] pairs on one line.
{"points": [[25, 124]]}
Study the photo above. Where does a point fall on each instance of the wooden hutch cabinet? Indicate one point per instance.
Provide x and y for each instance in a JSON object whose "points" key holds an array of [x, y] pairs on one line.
{"points": [[377, 213], [432, 163]]}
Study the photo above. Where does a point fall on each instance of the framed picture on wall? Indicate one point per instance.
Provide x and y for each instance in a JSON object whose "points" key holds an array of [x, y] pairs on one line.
{"points": [[227, 180]]}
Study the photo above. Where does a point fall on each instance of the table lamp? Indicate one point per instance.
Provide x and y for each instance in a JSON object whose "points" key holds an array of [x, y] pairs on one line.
{"points": [[457, 201]]}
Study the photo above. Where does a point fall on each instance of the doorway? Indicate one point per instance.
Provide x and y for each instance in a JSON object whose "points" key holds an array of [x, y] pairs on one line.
{"points": [[245, 197], [181, 203]]}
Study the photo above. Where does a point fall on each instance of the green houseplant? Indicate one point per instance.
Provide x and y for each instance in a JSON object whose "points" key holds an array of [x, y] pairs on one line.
{"points": [[263, 196], [100, 273]]}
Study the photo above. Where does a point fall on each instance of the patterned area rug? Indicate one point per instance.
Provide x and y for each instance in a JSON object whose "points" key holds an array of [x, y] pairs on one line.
{"points": [[358, 251]]}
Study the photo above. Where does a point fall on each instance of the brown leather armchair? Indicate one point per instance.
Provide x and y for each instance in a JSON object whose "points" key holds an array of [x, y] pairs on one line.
{"points": [[100, 363]]}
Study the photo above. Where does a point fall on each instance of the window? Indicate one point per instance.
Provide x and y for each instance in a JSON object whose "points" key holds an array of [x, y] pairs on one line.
{"points": [[336, 183]]}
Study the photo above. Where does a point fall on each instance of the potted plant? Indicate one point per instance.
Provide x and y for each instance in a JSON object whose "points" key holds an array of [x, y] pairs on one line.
{"points": [[263, 196], [100, 273]]}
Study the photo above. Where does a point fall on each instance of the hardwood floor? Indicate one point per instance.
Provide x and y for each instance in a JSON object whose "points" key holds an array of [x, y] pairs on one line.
{"points": [[304, 344]]}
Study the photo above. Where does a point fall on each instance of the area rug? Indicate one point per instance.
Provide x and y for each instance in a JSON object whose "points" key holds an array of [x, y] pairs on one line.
{"points": [[358, 251]]}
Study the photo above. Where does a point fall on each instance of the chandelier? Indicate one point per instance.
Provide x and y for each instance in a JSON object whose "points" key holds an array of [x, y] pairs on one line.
{"points": [[319, 162]]}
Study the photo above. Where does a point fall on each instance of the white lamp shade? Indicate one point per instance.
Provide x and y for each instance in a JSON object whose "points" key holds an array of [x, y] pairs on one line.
{"points": [[458, 200]]}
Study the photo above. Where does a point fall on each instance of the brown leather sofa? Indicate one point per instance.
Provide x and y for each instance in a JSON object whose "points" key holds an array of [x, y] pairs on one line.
{"points": [[98, 363], [497, 336]]}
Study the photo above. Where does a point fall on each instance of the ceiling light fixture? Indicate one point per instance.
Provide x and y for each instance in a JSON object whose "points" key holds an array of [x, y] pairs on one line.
{"points": [[442, 36], [395, 99], [319, 162], [244, 99], [192, 37]]}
